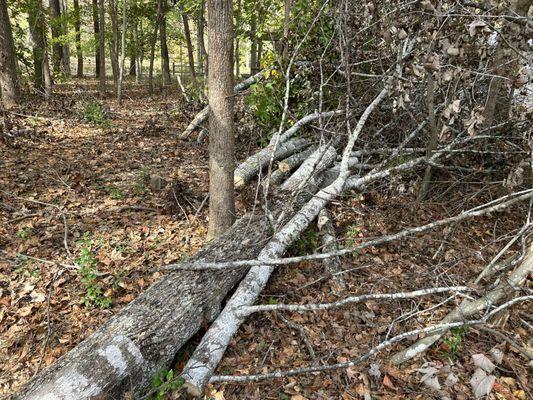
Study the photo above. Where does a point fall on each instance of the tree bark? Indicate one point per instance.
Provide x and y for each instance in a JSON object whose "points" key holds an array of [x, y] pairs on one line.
{"points": [[65, 59], [221, 102], [55, 25], [328, 242], [9, 84], [42, 79], [123, 53], [77, 29], [127, 351], [157, 23], [96, 27], [101, 40], [165, 63], [237, 40], [253, 50], [286, 24], [249, 169], [113, 13], [202, 53], [190, 50], [433, 134]]}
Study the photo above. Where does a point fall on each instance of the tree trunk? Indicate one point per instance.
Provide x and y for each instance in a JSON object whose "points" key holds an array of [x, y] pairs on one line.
{"points": [[152, 47], [55, 24], [286, 22], [123, 55], [96, 26], [221, 101], [253, 49], [42, 78], [202, 54], [433, 133], [101, 40], [65, 59], [77, 29], [237, 40], [127, 351], [9, 84], [165, 63], [190, 50], [113, 13]]}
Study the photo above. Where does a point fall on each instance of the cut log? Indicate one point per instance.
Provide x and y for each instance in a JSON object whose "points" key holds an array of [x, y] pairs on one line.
{"points": [[289, 133], [321, 159], [200, 118], [124, 354], [246, 171], [470, 308], [294, 161], [329, 244]]}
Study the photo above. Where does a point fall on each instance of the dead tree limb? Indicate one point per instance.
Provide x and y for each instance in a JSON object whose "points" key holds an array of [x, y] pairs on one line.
{"points": [[248, 169], [329, 243], [469, 308], [209, 352]]}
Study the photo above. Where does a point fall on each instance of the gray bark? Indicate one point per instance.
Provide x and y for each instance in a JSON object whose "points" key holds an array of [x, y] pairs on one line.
{"points": [[329, 244], [9, 86], [247, 170]]}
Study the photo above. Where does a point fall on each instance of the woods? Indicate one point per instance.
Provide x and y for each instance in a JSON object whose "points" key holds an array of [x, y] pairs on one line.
{"points": [[281, 199]]}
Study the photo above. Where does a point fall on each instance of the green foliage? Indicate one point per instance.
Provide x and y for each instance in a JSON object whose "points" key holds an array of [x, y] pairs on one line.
{"points": [[306, 243], [454, 342], [164, 383], [94, 113], [114, 192], [89, 279], [23, 233]]}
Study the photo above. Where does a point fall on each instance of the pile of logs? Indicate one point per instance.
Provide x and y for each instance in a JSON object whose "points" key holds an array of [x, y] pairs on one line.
{"points": [[145, 336]]}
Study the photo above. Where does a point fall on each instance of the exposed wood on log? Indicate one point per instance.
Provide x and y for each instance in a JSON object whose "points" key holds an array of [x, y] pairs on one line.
{"points": [[321, 159], [201, 117], [247, 170], [290, 163], [329, 243], [470, 308], [126, 352]]}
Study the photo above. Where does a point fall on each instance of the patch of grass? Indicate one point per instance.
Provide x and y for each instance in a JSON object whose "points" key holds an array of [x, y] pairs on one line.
{"points": [[139, 189], [87, 262], [94, 113], [114, 192], [23, 233]]}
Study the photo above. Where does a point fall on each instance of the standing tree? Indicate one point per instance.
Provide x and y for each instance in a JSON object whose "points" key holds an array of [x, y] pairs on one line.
{"points": [[165, 63], [77, 29], [188, 40], [221, 136], [96, 25], [123, 53], [42, 78], [101, 40], [152, 46], [113, 13], [65, 53], [8, 68]]}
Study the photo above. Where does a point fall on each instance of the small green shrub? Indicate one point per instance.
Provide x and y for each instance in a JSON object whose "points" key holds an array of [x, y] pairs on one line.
{"points": [[454, 342], [164, 383], [114, 192], [306, 243], [23, 233], [87, 262], [94, 113]]}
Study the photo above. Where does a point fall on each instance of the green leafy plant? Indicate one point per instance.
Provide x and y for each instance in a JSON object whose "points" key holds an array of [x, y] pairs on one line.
{"points": [[306, 243], [164, 383], [454, 342], [87, 262], [94, 113], [23, 233], [114, 192]]}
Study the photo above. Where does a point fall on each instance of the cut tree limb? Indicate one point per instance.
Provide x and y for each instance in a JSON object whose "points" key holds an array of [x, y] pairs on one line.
{"points": [[469, 308], [247, 170], [294, 161], [209, 352], [321, 159]]}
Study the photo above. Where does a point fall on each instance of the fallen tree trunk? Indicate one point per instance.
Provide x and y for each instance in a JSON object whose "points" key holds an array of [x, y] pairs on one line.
{"points": [[209, 352], [200, 118], [124, 354], [247, 170], [329, 243]]}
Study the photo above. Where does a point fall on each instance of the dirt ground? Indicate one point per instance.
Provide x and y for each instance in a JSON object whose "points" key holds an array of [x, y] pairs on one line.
{"points": [[124, 196]]}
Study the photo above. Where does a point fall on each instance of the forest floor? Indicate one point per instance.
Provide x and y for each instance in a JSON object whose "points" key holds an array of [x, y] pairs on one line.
{"points": [[100, 184]]}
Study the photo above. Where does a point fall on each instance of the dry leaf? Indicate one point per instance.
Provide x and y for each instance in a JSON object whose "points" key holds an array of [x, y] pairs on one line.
{"points": [[481, 361], [481, 383], [388, 383]]}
